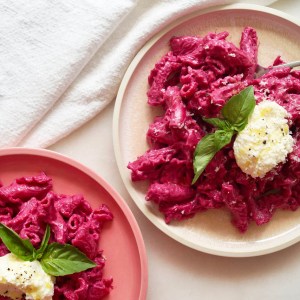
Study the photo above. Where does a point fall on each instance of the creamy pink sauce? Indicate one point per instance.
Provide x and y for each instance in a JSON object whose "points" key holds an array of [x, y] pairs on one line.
{"points": [[28, 204], [194, 80]]}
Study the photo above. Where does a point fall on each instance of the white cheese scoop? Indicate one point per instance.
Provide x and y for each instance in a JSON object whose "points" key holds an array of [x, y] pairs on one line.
{"points": [[265, 142], [19, 278]]}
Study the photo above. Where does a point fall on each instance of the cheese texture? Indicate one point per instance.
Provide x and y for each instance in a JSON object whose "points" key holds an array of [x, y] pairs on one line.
{"points": [[19, 278], [265, 142]]}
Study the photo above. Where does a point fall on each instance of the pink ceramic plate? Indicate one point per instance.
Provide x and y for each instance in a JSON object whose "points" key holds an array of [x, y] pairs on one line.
{"points": [[211, 231], [121, 239]]}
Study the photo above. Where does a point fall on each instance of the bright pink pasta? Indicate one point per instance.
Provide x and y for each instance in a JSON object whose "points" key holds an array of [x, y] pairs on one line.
{"points": [[29, 203], [191, 82]]}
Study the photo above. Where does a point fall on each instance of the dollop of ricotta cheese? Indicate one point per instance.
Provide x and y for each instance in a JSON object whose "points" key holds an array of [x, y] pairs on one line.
{"points": [[19, 278], [265, 141]]}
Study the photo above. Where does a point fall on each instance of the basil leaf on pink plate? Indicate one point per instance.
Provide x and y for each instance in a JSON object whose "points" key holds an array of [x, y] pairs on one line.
{"points": [[64, 259], [22, 248]]}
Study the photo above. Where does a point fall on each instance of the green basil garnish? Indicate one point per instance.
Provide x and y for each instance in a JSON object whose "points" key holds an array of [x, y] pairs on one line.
{"points": [[238, 109], [206, 149], [235, 114], [219, 123], [56, 259], [60, 260], [20, 247], [44, 244]]}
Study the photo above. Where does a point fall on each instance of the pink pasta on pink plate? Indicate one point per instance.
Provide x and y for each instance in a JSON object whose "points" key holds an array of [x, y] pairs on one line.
{"points": [[29, 204]]}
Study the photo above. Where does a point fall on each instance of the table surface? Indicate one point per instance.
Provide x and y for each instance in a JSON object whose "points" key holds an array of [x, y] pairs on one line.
{"points": [[176, 271]]}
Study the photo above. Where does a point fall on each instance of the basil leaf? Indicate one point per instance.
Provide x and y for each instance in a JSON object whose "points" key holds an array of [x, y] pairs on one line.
{"points": [[60, 260], [44, 244], [222, 138], [22, 248], [238, 109], [219, 123], [236, 113], [203, 154], [206, 149]]}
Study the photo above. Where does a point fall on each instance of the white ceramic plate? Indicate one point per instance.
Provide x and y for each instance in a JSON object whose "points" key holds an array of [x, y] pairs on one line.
{"points": [[211, 231]]}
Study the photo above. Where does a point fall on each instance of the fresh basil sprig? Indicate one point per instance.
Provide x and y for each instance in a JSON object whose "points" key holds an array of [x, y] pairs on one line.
{"points": [[20, 247], [235, 114], [44, 244], [56, 259]]}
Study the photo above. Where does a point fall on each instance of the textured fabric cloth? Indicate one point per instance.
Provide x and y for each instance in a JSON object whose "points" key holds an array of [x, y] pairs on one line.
{"points": [[62, 61]]}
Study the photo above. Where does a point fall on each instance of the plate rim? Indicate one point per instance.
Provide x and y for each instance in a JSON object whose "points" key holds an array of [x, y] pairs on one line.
{"points": [[116, 137], [45, 153]]}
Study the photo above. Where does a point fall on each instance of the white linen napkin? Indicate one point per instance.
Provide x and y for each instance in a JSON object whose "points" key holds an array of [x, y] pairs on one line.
{"points": [[61, 62]]}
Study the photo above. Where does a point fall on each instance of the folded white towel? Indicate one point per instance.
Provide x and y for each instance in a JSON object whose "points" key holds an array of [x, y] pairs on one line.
{"points": [[61, 62]]}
